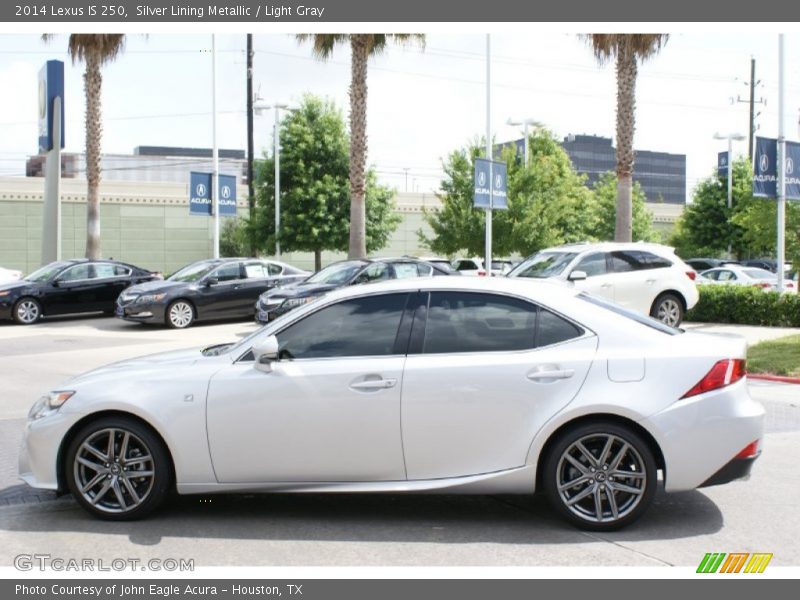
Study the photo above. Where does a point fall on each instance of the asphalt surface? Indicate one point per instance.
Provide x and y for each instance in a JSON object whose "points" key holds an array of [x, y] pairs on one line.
{"points": [[758, 515]]}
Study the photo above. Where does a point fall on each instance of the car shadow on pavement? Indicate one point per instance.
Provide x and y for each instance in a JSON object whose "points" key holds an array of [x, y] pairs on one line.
{"points": [[447, 519]]}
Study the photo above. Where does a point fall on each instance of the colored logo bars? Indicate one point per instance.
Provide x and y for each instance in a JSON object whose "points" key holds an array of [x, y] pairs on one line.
{"points": [[734, 562]]}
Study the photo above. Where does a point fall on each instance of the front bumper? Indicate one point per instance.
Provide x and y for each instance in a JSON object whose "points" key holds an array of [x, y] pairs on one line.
{"points": [[41, 443], [700, 436], [268, 312], [141, 313], [6, 308]]}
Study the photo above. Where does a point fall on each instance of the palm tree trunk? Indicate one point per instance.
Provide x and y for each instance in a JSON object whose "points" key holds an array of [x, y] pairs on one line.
{"points": [[626, 100], [317, 259], [358, 146], [92, 80]]}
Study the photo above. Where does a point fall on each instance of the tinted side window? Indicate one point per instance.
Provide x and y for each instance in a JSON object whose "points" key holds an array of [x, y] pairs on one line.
{"points": [[120, 271], [622, 262], [405, 270], [76, 273], [227, 272], [424, 270], [648, 260], [594, 264], [255, 271], [104, 271], [711, 275], [468, 322], [466, 265], [553, 329], [374, 272], [273, 269], [358, 327]]}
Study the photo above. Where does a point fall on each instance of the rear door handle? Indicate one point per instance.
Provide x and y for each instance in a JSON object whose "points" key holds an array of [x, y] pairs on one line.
{"points": [[374, 384], [606, 285], [554, 374]]}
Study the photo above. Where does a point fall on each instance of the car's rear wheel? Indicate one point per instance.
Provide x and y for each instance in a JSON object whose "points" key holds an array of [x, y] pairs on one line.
{"points": [[118, 469], [668, 309], [180, 314], [27, 311], [600, 476]]}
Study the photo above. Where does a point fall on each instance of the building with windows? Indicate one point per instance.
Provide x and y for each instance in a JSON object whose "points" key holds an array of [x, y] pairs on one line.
{"points": [[661, 175]]}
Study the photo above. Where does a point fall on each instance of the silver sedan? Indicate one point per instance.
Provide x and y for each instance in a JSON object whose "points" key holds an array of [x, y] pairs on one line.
{"points": [[451, 385]]}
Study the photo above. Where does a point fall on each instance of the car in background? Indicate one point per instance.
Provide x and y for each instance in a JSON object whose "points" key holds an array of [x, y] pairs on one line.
{"points": [[431, 385], [69, 287], [224, 288], [439, 261], [749, 276], [9, 275], [474, 267], [277, 302], [647, 278], [770, 265], [704, 264]]}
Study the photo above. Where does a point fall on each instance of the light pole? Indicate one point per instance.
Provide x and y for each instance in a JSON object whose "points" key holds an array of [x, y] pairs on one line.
{"points": [[525, 124], [259, 108], [214, 148], [730, 137]]}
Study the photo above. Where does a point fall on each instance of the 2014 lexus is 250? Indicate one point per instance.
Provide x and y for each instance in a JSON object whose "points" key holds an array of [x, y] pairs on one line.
{"points": [[450, 385]]}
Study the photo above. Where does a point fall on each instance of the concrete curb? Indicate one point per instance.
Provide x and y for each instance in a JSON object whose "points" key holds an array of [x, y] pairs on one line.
{"points": [[778, 378]]}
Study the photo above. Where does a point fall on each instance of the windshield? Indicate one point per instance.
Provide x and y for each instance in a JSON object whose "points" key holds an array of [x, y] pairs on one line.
{"points": [[192, 273], [633, 316], [47, 272], [337, 274], [543, 265]]}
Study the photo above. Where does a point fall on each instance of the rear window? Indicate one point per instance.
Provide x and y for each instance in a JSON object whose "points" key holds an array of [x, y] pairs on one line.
{"points": [[629, 314]]}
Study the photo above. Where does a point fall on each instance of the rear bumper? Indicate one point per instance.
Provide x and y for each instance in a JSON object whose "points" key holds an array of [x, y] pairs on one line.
{"points": [[738, 468], [700, 436]]}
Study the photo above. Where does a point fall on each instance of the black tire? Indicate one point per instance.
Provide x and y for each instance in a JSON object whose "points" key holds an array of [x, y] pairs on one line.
{"points": [[668, 308], [27, 311], [180, 314], [127, 496], [636, 470]]}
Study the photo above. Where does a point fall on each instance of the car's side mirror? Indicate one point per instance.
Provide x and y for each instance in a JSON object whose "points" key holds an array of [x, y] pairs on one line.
{"points": [[265, 353], [577, 276], [56, 283], [211, 281]]}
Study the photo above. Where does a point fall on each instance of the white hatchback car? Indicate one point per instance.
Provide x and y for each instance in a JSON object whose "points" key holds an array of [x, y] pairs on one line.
{"points": [[647, 278], [448, 384]]}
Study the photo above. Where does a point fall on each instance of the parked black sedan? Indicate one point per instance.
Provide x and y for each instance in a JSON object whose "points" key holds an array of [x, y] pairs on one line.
{"points": [[69, 287], [209, 289], [281, 300]]}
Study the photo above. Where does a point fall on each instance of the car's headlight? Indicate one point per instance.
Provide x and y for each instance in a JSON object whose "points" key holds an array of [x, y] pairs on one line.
{"points": [[5, 293], [150, 298], [295, 302], [49, 404]]}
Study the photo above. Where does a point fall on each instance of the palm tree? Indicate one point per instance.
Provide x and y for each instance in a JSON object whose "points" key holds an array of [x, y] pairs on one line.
{"points": [[627, 50], [94, 50], [362, 46]]}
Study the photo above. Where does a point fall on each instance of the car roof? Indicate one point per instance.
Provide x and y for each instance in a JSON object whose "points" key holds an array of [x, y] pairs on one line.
{"points": [[609, 246]]}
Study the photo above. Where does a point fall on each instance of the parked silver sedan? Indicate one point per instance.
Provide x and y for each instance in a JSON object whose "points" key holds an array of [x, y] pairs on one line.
{"points": [[441, 384]]}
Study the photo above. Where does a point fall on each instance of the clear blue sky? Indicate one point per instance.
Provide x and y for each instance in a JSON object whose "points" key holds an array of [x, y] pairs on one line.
{"points": [[422, 104]]}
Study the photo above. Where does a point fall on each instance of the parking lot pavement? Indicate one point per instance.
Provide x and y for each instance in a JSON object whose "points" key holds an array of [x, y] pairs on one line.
{"points": [[758, 515]]}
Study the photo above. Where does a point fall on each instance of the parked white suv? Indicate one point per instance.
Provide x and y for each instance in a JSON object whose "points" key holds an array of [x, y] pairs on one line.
{"points": [[647, 278]]}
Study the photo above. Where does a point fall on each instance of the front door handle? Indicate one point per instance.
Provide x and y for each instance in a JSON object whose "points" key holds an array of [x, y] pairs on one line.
{"points": [[551, 375], [374, 384], [605, 285]]}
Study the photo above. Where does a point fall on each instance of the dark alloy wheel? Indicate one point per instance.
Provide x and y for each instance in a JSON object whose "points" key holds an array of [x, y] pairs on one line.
{"points": [[600, 476], [668, 309], [118, 469]]}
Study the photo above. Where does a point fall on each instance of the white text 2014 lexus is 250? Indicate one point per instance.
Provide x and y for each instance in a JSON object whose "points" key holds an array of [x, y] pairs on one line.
{"points": [[451, 385]]}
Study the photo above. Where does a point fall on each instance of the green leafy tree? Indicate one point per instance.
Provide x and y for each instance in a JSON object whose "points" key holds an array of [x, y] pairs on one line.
{"points": [[362, 47], [233, 238], [605, 192], [315, 190], [548, 203]]}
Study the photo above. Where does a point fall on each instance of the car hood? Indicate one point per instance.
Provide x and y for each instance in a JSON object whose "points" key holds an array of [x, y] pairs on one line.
{"points": [[14, 285], [173, 360], [300, 290], [153, 287]]}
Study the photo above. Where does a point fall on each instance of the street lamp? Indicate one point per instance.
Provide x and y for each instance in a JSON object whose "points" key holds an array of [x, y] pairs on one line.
{"points": [[730, 137], [260, 107], [525, 123]]}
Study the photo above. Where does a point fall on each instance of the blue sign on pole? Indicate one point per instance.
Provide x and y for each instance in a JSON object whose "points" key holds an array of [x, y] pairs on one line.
{"points": [[227, 195], [792, 171], [722, 165], [200, 194], [765, 173], [490, 184], [51, 86]]}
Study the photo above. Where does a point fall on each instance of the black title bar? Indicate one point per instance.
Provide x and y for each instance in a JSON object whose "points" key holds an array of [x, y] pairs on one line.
{"points": [[361, 11]]}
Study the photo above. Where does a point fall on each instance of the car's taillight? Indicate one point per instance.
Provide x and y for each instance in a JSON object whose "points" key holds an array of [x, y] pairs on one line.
{"points": [[762, 285], [752, 449], [691, 275], [724, 372], [481, 273]]}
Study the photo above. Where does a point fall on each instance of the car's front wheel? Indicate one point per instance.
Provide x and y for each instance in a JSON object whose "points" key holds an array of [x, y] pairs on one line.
{"points": [[180, 314], [600, 476], [118, 469], [668, 309], [27, 311]]}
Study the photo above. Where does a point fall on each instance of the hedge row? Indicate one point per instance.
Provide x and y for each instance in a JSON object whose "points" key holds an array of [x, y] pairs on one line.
{"points": [[745, 305]]}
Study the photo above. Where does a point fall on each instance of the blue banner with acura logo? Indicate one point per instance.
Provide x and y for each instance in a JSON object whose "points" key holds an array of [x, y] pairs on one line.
{"points": [[200, 199], [765, 172], [722, 165], [490, 184]]}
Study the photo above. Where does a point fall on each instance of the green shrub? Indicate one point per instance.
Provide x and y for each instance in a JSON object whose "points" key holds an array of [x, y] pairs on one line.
{"points": [[745, 305]]}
